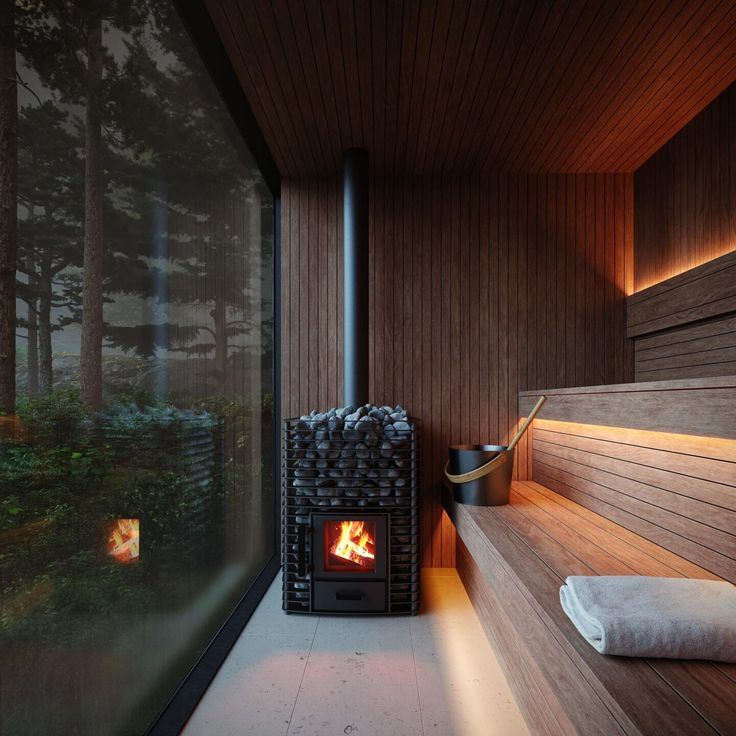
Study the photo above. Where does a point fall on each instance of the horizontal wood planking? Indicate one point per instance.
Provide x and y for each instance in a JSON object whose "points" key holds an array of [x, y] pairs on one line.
{"points": [[685, 198], [704, 407], [534, 695], [686, 352], [437, 88], [469, 303], [674, 497], [513, 560], [706, 291]]}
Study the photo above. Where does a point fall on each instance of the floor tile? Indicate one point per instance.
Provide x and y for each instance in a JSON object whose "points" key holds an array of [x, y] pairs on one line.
{"points": [[434, 673], [360, 679]]}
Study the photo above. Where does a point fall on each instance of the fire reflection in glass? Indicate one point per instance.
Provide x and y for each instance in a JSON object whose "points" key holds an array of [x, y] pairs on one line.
{"points": [[123, 541]]}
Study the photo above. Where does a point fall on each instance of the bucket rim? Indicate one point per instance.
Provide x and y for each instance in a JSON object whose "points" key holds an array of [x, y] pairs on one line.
{"points": [[479, 448]]}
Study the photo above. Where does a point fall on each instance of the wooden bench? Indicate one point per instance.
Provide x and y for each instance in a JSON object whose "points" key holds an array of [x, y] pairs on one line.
{"points": [[513, 560]]}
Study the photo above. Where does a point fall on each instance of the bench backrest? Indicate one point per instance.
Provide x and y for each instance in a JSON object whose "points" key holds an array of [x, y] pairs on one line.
{"points": [[679, 491]]}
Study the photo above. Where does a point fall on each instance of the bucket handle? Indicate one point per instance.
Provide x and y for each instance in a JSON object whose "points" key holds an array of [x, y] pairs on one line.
{"points": [[502, 456], [479, 472]]}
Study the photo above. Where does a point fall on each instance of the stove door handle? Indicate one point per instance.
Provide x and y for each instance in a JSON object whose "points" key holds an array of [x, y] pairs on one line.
{"points": [[301, 532], [352, 595]]}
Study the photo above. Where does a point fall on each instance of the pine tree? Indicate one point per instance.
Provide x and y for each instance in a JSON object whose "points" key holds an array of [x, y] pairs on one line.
{"points": [[63, 41], [50, 197], [213, 198], [8, 215]]}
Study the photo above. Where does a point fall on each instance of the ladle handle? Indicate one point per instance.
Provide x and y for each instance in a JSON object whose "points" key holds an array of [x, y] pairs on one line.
{"points": [[533, 413]]}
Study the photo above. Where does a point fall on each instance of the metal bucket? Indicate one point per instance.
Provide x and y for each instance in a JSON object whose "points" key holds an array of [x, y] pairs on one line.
{"points": [[492, 489]]}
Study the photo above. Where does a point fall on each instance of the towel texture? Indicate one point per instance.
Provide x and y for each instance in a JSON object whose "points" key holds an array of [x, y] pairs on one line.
{"points": [[637, 616]]}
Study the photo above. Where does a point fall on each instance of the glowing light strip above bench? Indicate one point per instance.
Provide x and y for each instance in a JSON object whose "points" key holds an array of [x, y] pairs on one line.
{"points": [[699, 406]]}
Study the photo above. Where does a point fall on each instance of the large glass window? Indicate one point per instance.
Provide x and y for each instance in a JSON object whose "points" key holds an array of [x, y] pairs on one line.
{"points": [[136, 468]]}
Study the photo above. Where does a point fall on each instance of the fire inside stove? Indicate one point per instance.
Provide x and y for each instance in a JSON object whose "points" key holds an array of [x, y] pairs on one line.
{"points": [[350, 546]]}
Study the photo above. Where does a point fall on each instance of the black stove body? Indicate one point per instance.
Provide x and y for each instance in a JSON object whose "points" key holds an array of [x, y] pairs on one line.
{"points": [[350, 515]]}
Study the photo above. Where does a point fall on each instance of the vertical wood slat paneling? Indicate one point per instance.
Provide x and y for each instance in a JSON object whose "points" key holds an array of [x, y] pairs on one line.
{"points": [[685, 196], [477, 285], [472, 86]]}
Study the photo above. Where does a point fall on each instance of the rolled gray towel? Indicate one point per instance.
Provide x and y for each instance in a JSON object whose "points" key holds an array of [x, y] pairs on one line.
{"points": [[636, 616]]}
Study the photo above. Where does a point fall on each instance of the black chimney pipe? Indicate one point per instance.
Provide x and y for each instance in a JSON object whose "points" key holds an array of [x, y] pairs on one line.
{"points": [[355, 249]]}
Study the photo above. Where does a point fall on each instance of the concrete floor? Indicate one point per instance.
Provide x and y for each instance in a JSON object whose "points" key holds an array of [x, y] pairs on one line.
{"points": [[400, 676]]}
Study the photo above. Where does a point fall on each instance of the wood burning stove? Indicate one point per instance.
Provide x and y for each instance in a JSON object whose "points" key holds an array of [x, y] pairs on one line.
{"points": [[350, 513], [350, 516]]}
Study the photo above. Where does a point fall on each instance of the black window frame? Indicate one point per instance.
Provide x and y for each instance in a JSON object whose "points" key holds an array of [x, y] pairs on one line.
{"points": [[172, 718]]}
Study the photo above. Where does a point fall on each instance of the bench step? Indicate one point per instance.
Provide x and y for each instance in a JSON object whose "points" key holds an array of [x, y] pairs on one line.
{"points": [[513, 560]]}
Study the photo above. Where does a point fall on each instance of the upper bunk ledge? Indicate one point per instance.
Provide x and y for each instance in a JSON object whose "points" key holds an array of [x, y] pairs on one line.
{"points": [[694, 406]]}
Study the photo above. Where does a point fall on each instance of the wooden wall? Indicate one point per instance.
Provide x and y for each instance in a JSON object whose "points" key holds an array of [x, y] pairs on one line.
{"points": [[673, 489], [480, 287], [685, 196], [685, 327]]}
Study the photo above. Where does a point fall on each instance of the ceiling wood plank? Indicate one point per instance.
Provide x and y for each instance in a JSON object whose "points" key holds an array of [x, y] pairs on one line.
{"points": [[476, 86]]}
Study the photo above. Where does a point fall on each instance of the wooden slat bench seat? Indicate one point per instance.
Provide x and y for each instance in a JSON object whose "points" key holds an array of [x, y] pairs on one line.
{"points": [[513, 560]]}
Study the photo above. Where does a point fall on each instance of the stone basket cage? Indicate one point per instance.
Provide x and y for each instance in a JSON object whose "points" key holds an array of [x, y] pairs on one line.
{"points": [[332, 469]]}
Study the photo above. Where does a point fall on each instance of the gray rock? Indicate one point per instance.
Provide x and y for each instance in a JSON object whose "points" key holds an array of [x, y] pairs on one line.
{"points": [[370, 439], [387, 449]]}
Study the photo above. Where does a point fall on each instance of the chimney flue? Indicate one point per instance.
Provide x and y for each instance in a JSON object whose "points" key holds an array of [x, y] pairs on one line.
{"points": [[355, 248]]}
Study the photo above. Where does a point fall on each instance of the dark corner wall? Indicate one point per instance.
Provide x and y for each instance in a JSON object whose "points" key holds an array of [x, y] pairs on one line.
{"points": [[480, 288], [685, 196]]}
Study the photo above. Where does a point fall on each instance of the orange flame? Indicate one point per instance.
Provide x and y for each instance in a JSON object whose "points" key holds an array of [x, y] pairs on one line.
{"points": [[353, 543], [123, 544]]}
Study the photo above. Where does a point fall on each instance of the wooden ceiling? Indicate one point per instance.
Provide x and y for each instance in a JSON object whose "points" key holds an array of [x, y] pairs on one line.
{"points": [[472, 86]]}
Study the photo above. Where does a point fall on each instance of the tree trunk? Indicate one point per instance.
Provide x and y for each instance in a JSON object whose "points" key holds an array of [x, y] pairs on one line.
{"points": [[32, 382], [8, 203], [46, 370], [91, 352]]}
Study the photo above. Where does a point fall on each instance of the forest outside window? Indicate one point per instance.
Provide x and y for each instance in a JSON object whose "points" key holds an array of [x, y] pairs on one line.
{"points": [[136, 364]]}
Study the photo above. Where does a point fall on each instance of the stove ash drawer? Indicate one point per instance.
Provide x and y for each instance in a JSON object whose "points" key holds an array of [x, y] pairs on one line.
{"points": [[335, 596]]}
